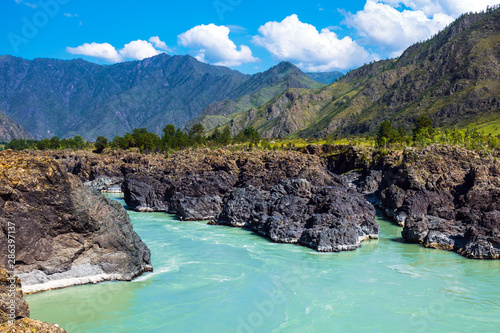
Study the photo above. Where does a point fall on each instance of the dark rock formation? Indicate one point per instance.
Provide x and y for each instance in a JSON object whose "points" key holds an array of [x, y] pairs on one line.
{"points": [[455, 187], [445, 197], [65, 234], [14, 310], [193, 183], [327, 219]]}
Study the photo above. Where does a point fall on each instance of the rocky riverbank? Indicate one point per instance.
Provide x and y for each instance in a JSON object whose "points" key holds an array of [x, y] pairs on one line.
{"points": [[14, 310], [299, 200], [65, 234], [445, 197]]}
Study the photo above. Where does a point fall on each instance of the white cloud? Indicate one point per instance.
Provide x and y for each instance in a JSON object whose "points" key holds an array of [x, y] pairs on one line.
{"points": [[70, 15], [135, 50], [302, 44], [214, 46], [104, 51], [159, 44], [393, 30], [453, 8], [138, 50]]}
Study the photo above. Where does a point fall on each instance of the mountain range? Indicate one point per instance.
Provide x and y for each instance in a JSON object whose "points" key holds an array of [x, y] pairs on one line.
{"points": [[453, 77], [65, 98]]}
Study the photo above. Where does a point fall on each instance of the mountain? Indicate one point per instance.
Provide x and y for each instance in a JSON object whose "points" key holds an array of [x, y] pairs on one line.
{"points": [[66, 98], [453, 77], [9, 129], [326, 77], [256, 91]]}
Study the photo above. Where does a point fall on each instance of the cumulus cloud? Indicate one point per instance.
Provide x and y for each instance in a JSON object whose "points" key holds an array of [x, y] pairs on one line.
{"points": [[382, 24], [302, 44], [102, 51], [214, 46], [135, 50], [393, 30], [159, 44], [139, 49]]}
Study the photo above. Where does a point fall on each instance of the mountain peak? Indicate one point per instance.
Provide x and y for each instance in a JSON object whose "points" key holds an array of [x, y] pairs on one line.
{"points": [[284, 67]]}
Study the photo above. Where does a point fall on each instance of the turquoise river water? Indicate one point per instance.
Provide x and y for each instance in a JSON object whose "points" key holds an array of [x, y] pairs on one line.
{"points": [[221, 279]]}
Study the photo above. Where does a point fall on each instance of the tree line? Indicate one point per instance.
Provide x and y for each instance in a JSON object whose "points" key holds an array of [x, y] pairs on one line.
{"points": [[171, 139], [425, 134], [387, 136], [53, 143]]}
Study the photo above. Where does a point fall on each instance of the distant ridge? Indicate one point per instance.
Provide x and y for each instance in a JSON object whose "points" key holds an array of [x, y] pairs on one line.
{"points": [[9, 129], [253, 93], [66, 98], [326, 77]]}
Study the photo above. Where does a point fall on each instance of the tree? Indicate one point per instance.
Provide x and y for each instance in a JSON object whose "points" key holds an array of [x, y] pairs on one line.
{"points": [[424, 130], [79, 142], [225, 137], [54, 143], [168, 136], [385, 134], [100, 144], [248, 134], [145, 140], [197, 134]]}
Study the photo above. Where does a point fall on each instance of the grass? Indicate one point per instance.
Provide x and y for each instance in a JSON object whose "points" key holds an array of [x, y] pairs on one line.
{"points": [[492, 128]]}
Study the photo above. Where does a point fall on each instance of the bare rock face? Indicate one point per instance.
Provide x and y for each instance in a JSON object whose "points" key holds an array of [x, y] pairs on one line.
{"points": [[65, 234], [14, 310], [447, 198], [193, 183], [327, 219]]}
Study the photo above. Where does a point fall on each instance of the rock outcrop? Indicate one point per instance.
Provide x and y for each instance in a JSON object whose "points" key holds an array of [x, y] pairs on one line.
{"points": [[14, 310], [445, 197], [65, 233], [193, 183], [327, 219], [221, 186]]}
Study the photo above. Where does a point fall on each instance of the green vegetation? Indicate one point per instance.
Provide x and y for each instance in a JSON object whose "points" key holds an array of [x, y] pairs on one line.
{"points": [[424, 134], [49, 144], [175, 139], [387, 137]]}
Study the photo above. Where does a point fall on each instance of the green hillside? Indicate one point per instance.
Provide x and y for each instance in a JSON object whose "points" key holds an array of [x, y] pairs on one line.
{"points": [[453, 77]]}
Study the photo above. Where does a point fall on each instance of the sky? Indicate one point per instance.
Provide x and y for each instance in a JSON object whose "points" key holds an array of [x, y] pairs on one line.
{"points": [[247, 35]]}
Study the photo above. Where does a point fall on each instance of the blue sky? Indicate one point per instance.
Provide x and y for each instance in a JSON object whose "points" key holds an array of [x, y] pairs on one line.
{"points": [[247, 35]]}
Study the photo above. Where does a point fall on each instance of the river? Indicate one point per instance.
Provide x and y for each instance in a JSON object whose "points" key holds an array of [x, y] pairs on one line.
{"points": [[221, 279]]}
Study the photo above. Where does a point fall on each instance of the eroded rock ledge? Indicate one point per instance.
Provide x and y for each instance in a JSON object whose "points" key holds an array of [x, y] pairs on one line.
{"points": [[327, 219], [16, 318], [65, 234], [445, 197], [299, 200]]}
